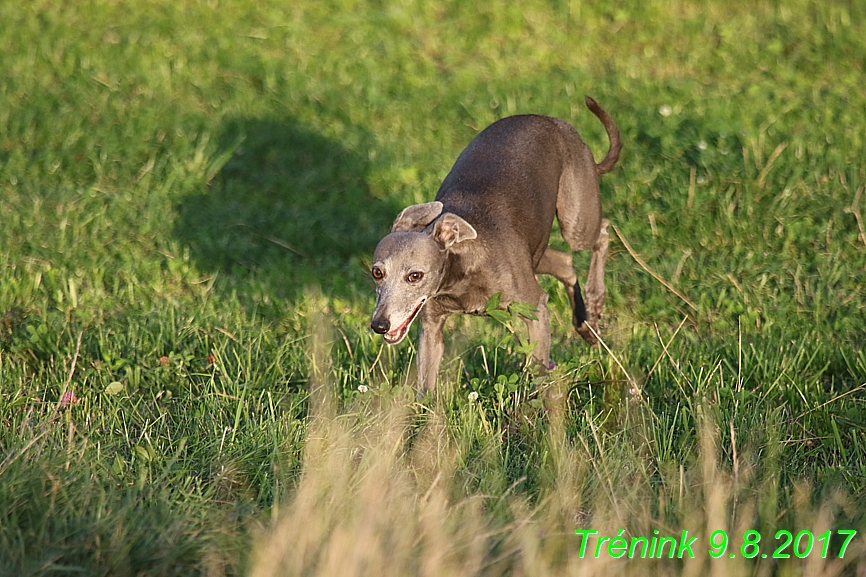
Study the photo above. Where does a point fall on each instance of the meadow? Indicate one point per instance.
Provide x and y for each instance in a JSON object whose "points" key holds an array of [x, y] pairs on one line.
{"points": [[190, 195]]}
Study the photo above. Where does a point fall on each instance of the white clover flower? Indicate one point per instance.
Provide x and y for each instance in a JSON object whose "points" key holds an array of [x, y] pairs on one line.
{"points": [[702, 145], [362, 388], [473, 396], [665, 110]]}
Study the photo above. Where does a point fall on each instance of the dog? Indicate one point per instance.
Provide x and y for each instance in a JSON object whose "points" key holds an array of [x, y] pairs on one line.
{"points": [[487, 232]]}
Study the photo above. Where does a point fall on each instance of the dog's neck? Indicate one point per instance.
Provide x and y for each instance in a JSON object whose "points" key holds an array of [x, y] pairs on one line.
{"points": [[457, 291]]}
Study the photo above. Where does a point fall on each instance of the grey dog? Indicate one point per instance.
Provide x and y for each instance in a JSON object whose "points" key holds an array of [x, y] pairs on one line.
{"points": [[487, 232]]}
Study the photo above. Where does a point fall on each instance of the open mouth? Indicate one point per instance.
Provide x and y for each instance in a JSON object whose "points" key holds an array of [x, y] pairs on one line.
{"points": [[398, 334]]}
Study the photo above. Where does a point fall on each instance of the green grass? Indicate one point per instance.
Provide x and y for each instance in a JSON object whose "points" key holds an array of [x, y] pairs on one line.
{"points": [[190, 194]]}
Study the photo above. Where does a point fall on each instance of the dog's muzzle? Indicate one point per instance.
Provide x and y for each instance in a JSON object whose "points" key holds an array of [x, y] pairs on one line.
{"points": [[384, 326]]}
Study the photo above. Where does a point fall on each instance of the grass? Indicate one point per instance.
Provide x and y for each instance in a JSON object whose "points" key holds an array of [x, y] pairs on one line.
{"points": [[190, 194]]}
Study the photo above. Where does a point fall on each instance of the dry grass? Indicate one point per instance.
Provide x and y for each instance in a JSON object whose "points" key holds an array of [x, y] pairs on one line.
{"points": [[376, 499]]}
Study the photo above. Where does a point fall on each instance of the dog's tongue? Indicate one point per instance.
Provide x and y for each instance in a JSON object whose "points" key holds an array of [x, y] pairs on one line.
{"points": [[397, 334]]}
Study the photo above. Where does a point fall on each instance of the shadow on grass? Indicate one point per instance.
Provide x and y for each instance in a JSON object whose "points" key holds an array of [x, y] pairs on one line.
{"points": [[290, 208]]}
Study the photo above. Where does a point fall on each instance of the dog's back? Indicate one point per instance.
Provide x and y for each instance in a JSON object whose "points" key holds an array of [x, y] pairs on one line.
{"points": [[512, 163]]}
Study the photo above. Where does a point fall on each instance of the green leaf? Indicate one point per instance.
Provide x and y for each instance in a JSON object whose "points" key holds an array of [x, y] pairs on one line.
{"points": [[525, 310], [114, 388], [527, 348], [501, 316], [493, 303], [142, 453]]}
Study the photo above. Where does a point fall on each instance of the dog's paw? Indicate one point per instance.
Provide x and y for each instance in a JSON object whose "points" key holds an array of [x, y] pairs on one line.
{"points": [[588, 334]]}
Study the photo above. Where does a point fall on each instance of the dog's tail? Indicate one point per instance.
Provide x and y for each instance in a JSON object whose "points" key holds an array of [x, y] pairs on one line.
{"points": [[606, 165]]}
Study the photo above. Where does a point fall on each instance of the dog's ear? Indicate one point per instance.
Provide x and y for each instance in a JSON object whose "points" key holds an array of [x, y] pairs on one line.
{"points": [[451, 229], [417, 216]]}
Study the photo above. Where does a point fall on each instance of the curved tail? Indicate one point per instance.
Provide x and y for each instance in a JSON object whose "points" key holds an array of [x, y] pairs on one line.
{"points": [[609, 161]]}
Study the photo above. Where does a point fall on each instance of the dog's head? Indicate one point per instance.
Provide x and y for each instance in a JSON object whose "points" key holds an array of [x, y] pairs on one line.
{"points": [[409, 264]]}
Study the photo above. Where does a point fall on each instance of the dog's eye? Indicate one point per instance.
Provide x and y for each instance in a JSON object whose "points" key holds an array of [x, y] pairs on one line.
{"points": [[377, 273], [414, 276]]}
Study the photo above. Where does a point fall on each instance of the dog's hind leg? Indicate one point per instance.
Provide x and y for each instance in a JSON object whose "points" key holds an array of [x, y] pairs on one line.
{"points": [[578, 210], [561, 266], [595, 285]]}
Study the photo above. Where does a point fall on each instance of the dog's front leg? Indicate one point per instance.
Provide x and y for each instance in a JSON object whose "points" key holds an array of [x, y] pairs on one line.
{"points": [[539, 331], [430, 349]]}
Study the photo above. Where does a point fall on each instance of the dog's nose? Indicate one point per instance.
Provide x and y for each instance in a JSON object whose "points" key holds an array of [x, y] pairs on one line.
{"points": [[380, 326]]}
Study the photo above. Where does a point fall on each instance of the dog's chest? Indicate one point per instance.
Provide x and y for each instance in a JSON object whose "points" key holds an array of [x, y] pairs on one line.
{"points": [[472, 304]]}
